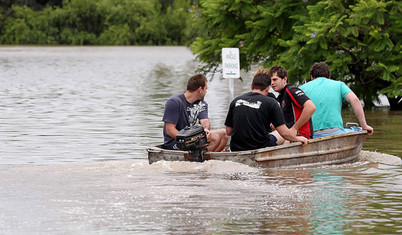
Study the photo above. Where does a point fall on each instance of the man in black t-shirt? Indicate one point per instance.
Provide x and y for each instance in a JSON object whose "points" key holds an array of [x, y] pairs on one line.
{"points": [[296, 106], [250, 115]]}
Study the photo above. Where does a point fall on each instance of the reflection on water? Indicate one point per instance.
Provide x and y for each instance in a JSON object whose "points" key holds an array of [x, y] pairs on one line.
{"points": [[330, 208], [67, 112]]}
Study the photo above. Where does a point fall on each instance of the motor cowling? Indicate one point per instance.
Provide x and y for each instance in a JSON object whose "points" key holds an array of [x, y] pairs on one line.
{"points": [[194, 140]]}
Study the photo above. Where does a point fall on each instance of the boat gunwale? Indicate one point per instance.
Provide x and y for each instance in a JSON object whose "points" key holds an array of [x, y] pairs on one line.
{"points": [[156, 149]]}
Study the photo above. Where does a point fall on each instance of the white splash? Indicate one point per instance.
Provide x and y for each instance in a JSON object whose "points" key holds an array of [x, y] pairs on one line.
{"points": [[380, 158]]}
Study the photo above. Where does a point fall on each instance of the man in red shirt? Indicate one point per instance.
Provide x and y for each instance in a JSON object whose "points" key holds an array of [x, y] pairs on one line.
{"points": [[296, 106]]}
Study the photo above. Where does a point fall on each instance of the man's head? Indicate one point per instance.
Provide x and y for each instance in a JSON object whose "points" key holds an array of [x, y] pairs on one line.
{"points": [[261, 80], [319, 69], [279, 77], [198, 83]]}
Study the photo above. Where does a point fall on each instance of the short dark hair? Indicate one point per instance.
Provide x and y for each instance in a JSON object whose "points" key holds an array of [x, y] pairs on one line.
{"points": [[261, 79], [279, 70], [195, 82], [320, 69]]}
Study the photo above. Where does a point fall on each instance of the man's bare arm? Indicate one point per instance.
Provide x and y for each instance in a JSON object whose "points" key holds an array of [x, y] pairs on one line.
{"points": [[307, 111], [357, 107], [229, 130], [288, 135], [205, 123], [171, 130]]}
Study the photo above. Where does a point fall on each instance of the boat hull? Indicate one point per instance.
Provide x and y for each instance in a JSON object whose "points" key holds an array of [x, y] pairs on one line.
{"points": [[328, 150]]}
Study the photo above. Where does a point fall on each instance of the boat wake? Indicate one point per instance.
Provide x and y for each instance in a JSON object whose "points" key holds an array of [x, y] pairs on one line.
{"points": [[211, 166], [377, 157]]}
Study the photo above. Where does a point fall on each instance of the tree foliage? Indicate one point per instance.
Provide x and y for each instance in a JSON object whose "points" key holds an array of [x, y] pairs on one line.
{"points": [[95, 22], [359, 39]]}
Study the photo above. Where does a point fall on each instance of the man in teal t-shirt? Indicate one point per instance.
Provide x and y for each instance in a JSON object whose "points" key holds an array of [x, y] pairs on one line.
{"points": [[328, 95]]}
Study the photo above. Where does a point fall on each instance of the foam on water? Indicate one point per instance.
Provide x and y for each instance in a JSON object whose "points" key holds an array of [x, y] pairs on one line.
{"points": [[377, 157], [211, 166], [224, 167]]}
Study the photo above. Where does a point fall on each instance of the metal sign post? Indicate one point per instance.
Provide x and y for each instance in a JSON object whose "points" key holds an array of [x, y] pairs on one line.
{"points": [[231, 67]]}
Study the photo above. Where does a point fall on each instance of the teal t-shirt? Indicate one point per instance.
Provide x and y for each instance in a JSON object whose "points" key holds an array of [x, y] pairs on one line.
{"points": [[327, 96]]}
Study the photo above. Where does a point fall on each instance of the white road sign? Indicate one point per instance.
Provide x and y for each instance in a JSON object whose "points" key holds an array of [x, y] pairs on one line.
{"points": [[230, 62]]}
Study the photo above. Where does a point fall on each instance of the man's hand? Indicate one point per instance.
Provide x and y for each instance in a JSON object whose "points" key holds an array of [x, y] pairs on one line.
{"points": [[369, 129], [302, 139], [209, 135]]}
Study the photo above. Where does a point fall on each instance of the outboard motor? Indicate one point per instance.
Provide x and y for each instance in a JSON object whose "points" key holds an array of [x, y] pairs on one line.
{"points": [[194, 140]]}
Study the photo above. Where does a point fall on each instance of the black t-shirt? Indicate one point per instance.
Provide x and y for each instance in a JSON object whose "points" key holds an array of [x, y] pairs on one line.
{"points": [[270, 94], [250, 116]]}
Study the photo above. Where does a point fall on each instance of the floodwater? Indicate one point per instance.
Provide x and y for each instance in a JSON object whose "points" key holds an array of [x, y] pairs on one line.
{"points": [[74, 125]]}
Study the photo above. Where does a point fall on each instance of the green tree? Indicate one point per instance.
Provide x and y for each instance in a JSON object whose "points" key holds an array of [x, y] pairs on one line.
{"points": [[33, 4], [177, 22], [95, 22], [359, 39], [123, 18], [28, 27], [83, 21]]}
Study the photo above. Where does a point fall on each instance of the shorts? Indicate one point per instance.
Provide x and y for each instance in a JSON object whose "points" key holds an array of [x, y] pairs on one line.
{"points": [[272, 140], [334, 131]]}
